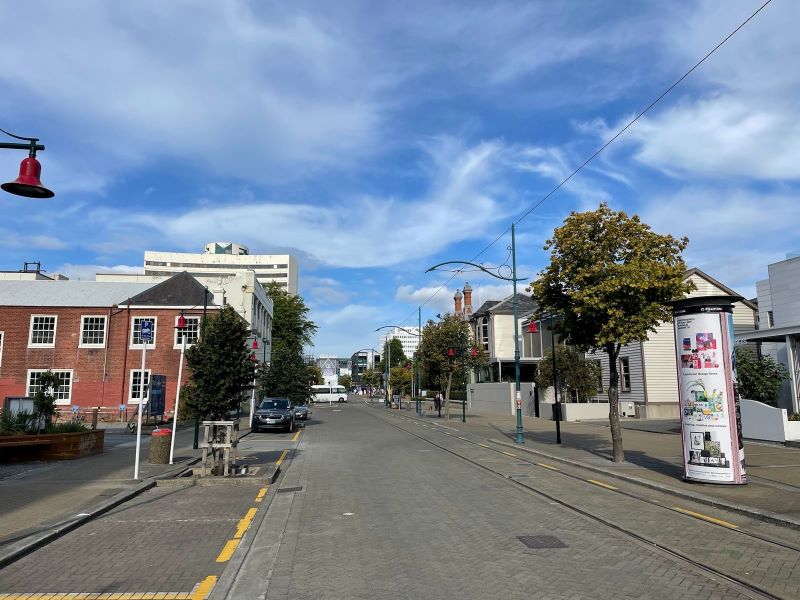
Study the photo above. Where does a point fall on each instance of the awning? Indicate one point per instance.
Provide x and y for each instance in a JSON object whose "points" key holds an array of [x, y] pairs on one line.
{"points": [[774, 334]]}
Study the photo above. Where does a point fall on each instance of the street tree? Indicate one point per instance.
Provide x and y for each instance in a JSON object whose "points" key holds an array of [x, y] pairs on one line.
{"points": [[446, 350], [287, 374], [608, 282], [576, 376], [44, 399], [220, 366], [372, 379], [346, 381], [759, 377], [314, 375], [398, 356], [400, 379]]}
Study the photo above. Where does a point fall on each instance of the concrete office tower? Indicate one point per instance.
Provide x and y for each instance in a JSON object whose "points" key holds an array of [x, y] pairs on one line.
{"points": [[221, 259]]}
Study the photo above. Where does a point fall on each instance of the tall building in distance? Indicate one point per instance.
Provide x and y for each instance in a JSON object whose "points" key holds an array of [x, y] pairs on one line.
{"points": [[221, 259], [408, 336]]}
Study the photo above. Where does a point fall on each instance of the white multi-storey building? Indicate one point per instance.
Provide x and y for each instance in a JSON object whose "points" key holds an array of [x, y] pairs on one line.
{"points": [[408, 336], [223, 259]]}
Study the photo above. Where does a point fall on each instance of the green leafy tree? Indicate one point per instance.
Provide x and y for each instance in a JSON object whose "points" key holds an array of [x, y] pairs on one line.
{"points": [[220, 366], [314, 376], [346, 381], [446, 351], [608, 280], [400, 379], [575, 374], [372, 379], [398, 356], [759, 378], [44, 400], [287, 374]]}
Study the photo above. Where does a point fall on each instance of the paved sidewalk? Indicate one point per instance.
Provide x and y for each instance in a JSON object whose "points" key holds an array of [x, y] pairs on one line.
{"points": [[654, 457], [37, 497]]}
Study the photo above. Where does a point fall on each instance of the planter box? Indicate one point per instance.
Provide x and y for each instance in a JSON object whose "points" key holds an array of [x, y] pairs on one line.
{"points": [[51, 446]]}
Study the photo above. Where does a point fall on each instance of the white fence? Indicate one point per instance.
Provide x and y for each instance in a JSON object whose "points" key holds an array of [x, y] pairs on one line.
{"points": [[763, 422], [498, 398]]}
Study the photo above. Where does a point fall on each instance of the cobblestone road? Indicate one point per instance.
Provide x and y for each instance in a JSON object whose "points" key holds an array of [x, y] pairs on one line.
{"points": [[382, 514]]}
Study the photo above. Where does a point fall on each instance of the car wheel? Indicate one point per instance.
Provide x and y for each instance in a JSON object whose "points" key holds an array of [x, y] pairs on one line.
{"points": [[290, 426], [254, 429]]}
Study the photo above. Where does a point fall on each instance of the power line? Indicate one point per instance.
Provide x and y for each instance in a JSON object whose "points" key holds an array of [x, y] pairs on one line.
{"points": [[599, 150]]}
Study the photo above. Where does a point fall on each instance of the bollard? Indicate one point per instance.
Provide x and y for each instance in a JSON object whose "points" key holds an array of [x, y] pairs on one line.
{"points": [[159, 447], [94, 418]]}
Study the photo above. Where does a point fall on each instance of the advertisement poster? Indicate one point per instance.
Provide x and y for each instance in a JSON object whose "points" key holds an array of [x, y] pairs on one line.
{"points": [[709, 404]]}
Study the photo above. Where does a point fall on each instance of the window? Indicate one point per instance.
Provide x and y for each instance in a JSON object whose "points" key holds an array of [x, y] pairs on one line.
{"points": [[599, 376], [485, 334], [2, 337], [136, 340], [43, 331], [624, 374], [93, 332], [192, 331], [136, 382], [770, 319], [64, 393]]}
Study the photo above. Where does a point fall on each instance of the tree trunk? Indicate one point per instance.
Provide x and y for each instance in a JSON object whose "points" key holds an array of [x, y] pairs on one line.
{"points": [[447, 396], [613, 402]]}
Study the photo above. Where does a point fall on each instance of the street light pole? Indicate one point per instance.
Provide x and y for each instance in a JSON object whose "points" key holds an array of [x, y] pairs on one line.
{"points": [[419, 367], [182, 329], [520, 438], [556, 406]]}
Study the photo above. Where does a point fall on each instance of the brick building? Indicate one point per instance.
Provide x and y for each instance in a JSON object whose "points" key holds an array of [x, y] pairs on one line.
{"points": [[89, 333]]}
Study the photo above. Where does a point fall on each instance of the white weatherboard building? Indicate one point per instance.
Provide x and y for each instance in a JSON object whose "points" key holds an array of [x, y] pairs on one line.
{"points": [[408, 336], [226, 258]]}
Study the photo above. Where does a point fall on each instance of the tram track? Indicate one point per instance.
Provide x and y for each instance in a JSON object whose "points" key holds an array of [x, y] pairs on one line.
{"points": [[737, 580]]}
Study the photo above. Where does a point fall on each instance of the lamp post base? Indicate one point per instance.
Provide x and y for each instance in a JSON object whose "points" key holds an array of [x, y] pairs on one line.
{"points": [[520, 439]]}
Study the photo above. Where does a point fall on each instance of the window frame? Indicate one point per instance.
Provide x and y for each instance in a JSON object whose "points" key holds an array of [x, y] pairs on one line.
{"points": [[176, 342], [2, 341], [132, 344], [81, 343], [30, 331], [59, 402], [599, 364], [137, 401], [624, 367]]}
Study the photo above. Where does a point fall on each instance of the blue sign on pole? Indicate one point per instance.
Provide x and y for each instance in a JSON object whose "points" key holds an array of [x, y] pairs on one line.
{"points": [[146, 331]]}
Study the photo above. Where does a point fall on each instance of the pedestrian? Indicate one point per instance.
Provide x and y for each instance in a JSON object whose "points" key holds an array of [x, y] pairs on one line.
{"points": [[437, 402]]}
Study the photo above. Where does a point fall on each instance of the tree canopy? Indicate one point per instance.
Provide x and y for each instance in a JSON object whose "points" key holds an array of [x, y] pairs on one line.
{"points": [[398, 356], [220, 366], [446, 349], [608, 282], [759, 377], [576, 375], [287, 374]]}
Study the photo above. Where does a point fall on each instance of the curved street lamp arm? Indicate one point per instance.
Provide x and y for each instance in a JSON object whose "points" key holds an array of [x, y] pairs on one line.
{"points": [[400, 328], [477, 266]]}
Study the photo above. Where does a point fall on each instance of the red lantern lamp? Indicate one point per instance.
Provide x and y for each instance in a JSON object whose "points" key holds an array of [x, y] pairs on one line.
{"points": [[473, 352], [28, 183], [253, 357], [181, 322], [255, 344], [532, 327], [451, 352]]}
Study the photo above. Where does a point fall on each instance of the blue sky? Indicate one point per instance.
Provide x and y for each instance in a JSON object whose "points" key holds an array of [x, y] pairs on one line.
{"points": [[373, 140]]}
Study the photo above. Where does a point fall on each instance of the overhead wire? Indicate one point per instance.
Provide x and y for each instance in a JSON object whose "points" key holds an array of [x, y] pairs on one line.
{"points": [[594, 155]]}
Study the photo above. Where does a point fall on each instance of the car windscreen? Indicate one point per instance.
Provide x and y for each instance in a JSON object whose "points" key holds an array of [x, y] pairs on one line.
{"points": [[274, 404]]}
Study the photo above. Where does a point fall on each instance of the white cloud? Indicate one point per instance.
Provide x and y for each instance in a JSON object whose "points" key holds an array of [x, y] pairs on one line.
{"points": [[12, 239], [88, 272]]}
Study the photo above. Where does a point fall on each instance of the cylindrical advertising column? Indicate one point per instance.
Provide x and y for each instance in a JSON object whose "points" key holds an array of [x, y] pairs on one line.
{"points": [[711, 426]]}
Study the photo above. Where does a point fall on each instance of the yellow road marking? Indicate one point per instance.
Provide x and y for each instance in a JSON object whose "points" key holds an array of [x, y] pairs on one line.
{"points": [[483, 445], [698, 515], [444, 432], [546, 466], [601, 484], [227, 550], [104, 596], [280, 460], [261, 493], [297, 435], [203, 589], [244, 523], [462, 438], [509, 453]]}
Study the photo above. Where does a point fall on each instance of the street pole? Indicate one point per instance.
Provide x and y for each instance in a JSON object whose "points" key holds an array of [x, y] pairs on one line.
{"points": [[520, 439], [177, 400], [556, 406], [196, 443], [419, 367], [139, 417]]}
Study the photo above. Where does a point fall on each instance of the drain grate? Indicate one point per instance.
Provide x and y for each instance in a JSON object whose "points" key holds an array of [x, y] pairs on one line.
{"points": [[290, 489], [539, 542]]}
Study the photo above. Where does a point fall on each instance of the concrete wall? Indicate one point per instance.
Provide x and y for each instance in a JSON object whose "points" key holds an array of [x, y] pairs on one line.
{"points": [[784, 284], [763, 422], [498, 398]]}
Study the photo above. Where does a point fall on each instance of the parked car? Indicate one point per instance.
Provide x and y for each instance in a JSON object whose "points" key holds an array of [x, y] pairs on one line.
{"points": [[302, 412], [273, 413]]}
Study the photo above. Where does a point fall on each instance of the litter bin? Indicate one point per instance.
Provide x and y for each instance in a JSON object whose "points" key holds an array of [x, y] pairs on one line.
{"points": [[159, 446]]}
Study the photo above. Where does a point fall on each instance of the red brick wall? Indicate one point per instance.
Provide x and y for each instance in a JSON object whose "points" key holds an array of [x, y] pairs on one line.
{"points": [[101, 376]]}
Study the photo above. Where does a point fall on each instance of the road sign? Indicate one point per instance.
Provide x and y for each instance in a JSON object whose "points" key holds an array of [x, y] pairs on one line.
{"points": [[146, 331]]}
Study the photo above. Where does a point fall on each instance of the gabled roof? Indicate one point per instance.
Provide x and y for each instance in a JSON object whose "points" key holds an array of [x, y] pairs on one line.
{"points": [[179, 290], [720, 285], [485, 308], [45, 292]]}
